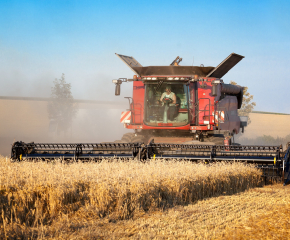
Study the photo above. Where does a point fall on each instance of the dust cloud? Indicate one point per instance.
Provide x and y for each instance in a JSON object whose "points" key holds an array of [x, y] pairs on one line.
{"points": [[27, 121], [263, 140], [26, 82]]}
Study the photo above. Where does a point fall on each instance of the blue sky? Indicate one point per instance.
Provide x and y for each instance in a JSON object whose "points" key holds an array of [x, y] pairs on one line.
{"points": [[40, 40]]}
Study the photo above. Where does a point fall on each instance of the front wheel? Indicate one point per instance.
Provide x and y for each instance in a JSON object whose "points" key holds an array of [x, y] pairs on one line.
{"points": [[137, 139], [127, 137]]}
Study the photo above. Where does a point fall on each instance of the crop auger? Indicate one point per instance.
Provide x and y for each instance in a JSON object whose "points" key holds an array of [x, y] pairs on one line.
{"points": [[274, 162]]}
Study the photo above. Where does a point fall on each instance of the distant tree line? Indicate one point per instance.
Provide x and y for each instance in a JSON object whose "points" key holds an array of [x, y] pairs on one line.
{"points": [[248, 104]]}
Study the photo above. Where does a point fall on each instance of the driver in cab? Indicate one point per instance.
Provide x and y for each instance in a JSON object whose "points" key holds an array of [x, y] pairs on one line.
{"points": [[168, 97], [168, 100]]}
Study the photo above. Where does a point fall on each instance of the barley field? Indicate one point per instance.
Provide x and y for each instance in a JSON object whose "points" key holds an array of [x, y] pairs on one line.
{"points": [[119, 199]]}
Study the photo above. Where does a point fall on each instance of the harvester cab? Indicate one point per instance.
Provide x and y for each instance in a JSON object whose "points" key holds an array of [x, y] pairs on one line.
{"points": [[182, 104]]}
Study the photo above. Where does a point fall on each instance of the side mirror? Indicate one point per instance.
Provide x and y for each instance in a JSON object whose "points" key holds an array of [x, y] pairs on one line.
{"points": [[118, 83], [118, 89]]}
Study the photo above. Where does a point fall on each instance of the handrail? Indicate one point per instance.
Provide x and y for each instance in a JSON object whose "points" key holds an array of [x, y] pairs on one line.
{"points": [[204, 110]]}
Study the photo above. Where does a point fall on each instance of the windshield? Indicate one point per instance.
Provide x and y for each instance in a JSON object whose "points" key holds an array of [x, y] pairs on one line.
{"points": [[166, 104]]}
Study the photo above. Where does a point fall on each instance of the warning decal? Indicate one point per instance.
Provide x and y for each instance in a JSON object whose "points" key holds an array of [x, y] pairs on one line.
{"points": [[220, 116], [125, 117]]}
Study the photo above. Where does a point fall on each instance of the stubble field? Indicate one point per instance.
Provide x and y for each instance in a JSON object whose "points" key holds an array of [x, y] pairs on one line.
{"points": [[154, 200]]}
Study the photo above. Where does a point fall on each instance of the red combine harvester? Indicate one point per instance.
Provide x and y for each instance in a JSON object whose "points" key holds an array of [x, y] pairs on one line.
{"points": [[173, 109], [182, 104]]}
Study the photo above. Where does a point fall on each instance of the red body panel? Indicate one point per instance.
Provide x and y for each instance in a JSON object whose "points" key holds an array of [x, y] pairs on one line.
{"points": [[138, 102], [206, 103]]}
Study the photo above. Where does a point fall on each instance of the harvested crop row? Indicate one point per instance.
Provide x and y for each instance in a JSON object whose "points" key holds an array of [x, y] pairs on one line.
{"points": [[37, 193]]}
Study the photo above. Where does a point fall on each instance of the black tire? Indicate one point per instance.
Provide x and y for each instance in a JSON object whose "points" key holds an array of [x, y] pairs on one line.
{"points": [[236, 144], [128, 134], [216, 140], [127, 137], [137, 139]]}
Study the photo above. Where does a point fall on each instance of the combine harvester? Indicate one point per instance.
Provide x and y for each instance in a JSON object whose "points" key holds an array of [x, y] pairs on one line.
{"points": [[176, 112]]}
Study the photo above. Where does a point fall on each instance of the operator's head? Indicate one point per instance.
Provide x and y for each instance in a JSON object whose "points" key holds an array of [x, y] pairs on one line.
{"points": [[168, 88]]}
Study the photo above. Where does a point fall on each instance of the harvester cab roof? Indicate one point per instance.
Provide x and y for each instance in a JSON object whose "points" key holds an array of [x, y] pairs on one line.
{"points": [[176, 70]]}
